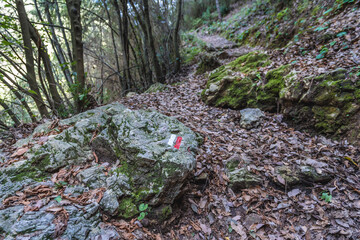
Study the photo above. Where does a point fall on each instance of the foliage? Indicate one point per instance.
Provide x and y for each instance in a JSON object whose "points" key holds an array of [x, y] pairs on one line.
{"points": [[143, 211], [326, 196]]}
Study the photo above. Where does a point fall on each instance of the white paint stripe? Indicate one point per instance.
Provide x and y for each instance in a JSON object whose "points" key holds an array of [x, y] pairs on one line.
{"points": [[171, 140]]}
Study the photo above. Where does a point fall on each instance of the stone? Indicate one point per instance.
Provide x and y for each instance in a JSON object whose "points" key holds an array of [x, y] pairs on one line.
{"points": [[242, 178], [109, 202], [134, 164], [251, 117], [156, 87], [291, 176], [131, 94]]}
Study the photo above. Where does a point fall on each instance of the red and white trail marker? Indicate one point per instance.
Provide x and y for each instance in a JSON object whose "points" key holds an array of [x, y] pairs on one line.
{"points": [[178, 142], [172, 140]]}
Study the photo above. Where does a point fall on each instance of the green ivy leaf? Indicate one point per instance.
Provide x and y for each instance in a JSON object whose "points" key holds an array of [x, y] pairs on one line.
{"points": [[143, 207], [58, 199], [326, 196], [142, 215]]}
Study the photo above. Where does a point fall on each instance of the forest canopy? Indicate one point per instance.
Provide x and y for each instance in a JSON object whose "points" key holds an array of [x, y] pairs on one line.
{"points": [[59, 58]]}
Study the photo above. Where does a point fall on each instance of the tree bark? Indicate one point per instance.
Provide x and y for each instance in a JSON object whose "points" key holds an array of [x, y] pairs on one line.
{"points": [[64, 34], [55, 96], [73, 7], [30, 67], [155, 61], [218, 9], [114, 45], [58, 48], [176, 38], [10, 113], [17, 95]]}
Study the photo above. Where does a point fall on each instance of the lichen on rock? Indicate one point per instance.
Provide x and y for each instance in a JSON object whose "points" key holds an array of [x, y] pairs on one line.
{"points": [[239, 84], [135, 165]]}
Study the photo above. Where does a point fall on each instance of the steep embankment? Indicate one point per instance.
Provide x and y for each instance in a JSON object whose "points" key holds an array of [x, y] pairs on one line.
{"points": [[312, 76]]}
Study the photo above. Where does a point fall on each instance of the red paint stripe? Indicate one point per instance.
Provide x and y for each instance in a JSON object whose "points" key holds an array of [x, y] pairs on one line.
{"points": [[178, 142]]}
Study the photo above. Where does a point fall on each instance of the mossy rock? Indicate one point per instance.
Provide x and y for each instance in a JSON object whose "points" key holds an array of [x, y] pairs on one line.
{"points": [[240, 85], [156, 87], [207, 63], [142, 166], [327, 101]]}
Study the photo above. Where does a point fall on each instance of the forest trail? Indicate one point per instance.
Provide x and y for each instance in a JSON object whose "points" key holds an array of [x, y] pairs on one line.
{"points": [[273, 209]]}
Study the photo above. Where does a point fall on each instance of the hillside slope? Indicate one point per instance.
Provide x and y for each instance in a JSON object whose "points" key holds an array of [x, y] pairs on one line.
{"points": [[308, 68]]}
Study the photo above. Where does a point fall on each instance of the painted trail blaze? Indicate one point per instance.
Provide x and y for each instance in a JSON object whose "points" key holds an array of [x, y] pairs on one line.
{"points": [[178, 142]]}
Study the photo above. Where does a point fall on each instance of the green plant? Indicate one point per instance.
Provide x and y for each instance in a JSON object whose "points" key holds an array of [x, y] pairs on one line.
{"points": [[142, 208], [326, 196]]}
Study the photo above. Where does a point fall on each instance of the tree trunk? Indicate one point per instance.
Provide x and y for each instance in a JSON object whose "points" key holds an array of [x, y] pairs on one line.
{"points": [[155, 61], [58, 48], [218, 9], [30, 67], [10, 112], [73, 7], [3, 126], [55, 96], [122, 25], [64, 35], [17, 95], [176, 38], [114, 45]]}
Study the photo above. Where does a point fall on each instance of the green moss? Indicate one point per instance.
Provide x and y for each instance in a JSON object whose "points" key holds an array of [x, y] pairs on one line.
{"points": [[284, 13], [315, 10], [245, 90], [166, 212], [127, 208]]}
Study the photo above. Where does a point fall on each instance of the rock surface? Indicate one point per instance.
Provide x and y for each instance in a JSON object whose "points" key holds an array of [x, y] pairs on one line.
{"points": [[251, 117], [328, 102], [122, 154], [156, 87]]}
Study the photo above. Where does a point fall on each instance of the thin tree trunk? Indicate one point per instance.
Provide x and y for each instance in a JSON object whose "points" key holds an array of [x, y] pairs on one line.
{"points": [[114, 43], [123, 39], [3, 126], [155, 61], [59, 50], [176, 38], [218, 9], [10, 113], [73, 7], [17, 95], [64, 35], [30, 67]]}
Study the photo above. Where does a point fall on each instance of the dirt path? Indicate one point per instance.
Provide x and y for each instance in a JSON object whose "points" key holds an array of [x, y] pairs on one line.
{"points": [[211, 210]]}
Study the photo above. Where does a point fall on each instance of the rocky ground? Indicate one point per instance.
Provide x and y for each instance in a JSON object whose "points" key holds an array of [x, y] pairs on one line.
{"points": [[267, 197], [251, 181]]}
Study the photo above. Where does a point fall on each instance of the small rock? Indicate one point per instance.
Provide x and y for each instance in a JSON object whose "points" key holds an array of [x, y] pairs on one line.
{"points": [[242, 178], [251, 117], [130, 94]]}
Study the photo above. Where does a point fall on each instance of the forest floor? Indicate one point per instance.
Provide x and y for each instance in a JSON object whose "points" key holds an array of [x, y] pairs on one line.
{"points": [[211, 210]]}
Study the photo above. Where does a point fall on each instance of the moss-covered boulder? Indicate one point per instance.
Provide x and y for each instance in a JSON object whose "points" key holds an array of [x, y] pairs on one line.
{"points": [[129, 154], [240, 84], [330, 102], [156, 87]]}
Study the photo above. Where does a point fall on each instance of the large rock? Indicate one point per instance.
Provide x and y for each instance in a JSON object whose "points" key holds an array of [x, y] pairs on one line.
{"points": [[240, 84], [134, 165], [329, 102]]}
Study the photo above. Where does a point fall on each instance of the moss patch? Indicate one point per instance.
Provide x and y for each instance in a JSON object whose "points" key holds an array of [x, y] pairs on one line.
{"points": [[239, 84], [127, 208]]}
